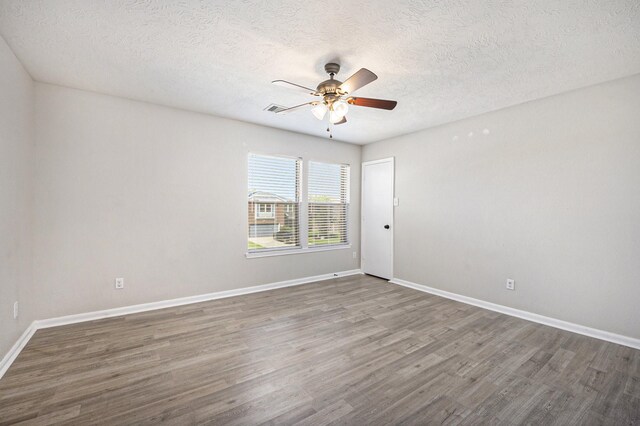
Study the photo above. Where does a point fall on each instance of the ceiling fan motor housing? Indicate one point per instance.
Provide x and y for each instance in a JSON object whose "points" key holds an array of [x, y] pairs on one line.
{"points": [[329, 89]]}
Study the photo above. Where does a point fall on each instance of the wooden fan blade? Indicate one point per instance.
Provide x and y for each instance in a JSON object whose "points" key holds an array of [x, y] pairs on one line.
{"points": [[344, 120], [373, 103], [358, 80], [294, 86], [295, 108]]}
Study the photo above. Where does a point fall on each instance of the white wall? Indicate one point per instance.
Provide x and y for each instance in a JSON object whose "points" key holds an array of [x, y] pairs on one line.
{"points": [[550, 197], [157, 196], [16, 170]]}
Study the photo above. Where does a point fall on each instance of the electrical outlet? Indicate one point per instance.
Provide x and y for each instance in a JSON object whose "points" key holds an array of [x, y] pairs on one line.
{"points": [[15, 310], [511, 284], [119, 283], [355, 255]]}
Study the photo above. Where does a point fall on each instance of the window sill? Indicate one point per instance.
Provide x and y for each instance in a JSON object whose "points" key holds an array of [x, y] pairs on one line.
{"points": [[269, 253]]}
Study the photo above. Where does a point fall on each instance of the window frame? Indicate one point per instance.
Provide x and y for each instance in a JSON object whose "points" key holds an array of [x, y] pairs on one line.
{"points": [[303, 213], [272, 251]]}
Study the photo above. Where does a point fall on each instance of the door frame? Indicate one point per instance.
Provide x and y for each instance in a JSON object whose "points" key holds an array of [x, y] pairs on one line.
{"points": [[393, 208]]}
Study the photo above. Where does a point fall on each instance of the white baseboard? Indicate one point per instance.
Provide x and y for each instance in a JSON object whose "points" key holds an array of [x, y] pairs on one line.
{"points": [[22, 341], [541, 319], [125, 310], [132, 309]]}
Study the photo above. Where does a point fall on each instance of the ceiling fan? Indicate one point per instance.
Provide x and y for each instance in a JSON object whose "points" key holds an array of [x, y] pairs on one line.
{"points": [[336, 96]]}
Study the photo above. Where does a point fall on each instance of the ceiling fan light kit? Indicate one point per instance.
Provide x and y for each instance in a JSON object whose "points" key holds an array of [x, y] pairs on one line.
{"points": [[319, 110], [335, 96]]}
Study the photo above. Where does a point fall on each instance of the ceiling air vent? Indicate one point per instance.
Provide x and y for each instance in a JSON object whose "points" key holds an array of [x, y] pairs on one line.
{"points": [[275, 108]]}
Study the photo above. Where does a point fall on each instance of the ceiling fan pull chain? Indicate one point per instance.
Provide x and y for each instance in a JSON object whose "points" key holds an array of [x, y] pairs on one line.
{"points": [[329, 130]]}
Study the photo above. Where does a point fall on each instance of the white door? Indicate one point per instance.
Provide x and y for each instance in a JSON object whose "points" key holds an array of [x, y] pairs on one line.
{"points": [[377, 218]]}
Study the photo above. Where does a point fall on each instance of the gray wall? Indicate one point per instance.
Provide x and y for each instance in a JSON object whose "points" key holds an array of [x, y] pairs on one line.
{"points": [[157, 196], [16, 171], [550, 197]]}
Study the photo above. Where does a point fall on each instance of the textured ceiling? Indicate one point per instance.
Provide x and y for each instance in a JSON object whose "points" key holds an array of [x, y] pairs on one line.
{"points": [[441, 60]]}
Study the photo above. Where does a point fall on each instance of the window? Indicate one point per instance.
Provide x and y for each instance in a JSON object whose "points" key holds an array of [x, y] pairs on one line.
{"points": [[266, 211], [277, 195], [328, 197], [273, 203]]}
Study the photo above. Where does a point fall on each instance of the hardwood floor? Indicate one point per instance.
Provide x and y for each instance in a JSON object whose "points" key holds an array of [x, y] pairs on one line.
{"points": [[354, 350]]}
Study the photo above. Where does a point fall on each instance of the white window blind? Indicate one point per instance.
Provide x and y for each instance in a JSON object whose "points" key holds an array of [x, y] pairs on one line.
{"points": [[273, 203], [328, 197]]}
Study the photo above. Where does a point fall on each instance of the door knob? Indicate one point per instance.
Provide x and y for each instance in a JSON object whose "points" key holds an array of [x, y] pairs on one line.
{"points": [[386, 227]]}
